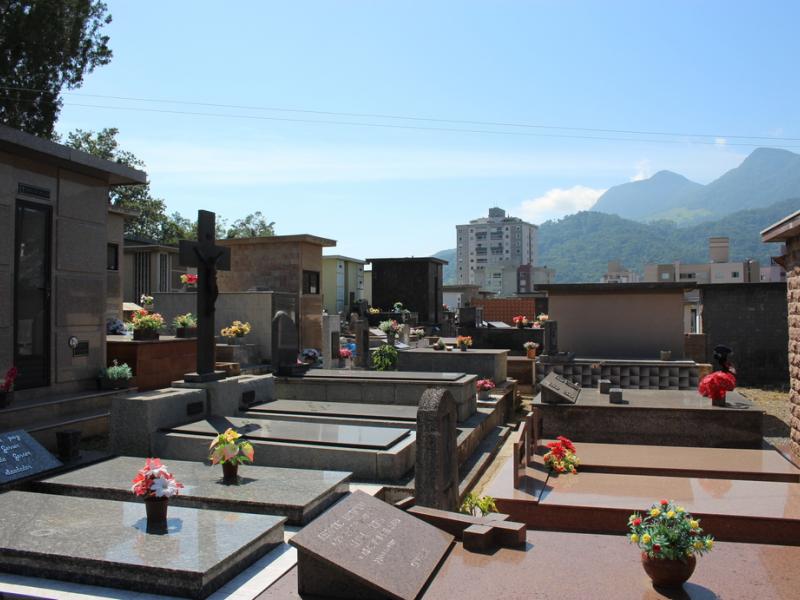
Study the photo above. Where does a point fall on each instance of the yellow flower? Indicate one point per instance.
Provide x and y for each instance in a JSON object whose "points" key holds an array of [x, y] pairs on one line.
{"points": [[709, 544], [646, 538], [655, 512], [635, 538], [698, 544], [671, 514], [694, 524], [680, 509]]}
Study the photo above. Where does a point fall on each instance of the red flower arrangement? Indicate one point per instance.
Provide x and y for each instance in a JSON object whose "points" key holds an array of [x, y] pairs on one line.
{"points": [[345, 353], [520, 319], [562, 457], [716, 385], [8, 383], [154, 481], [189, 279], [484, 385]]}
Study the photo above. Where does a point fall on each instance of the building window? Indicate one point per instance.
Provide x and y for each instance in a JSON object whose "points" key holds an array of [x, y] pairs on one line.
{"points": [[112, 257], [311, 282], [665, 276], [735, 274]]}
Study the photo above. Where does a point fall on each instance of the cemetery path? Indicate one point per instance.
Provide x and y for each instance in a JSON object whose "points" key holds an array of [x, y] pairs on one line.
{"points": [[775, 404]]}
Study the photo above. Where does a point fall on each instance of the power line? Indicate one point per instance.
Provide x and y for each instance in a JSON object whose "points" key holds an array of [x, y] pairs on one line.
{"points": [[415, 118], [413, 127]]}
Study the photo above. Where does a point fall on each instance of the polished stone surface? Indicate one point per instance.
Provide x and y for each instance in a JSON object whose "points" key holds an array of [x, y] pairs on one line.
{"points": [[338, 409], [354, 436], [298, 494], [356, 375], [683, 399], [22, 456], [104, 542], [364, 547], [727, 463], [485, 363]]}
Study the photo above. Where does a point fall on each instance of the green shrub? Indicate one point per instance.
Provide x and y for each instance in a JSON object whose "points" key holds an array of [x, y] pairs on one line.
{"points": [[478, 505], [117, 371], [384, 358]]}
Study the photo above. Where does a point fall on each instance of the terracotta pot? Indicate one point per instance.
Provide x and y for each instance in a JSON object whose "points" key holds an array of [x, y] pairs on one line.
{"points": [[145, 334], [156, 510], [668, 573], [6, 398], [185, 332], [230, 472], [531, 353]]}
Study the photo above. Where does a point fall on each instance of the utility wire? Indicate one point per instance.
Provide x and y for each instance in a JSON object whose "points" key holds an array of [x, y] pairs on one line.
{"points": [[413, 127], [411, 118]]}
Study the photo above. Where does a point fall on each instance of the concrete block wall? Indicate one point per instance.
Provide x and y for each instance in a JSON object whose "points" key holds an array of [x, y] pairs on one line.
{"points": [[793, 296], [505, 309]]}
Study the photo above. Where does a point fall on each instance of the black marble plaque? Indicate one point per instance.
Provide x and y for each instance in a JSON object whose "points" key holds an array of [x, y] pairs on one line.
{"points": [[22, 456], [558, 390], [365, 548]]}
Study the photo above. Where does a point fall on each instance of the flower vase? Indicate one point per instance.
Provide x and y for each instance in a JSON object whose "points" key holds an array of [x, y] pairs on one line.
{"points": [[463, 347], [185, 332], [145, 334], [390, 338], [531, 353], [230, 473], [520, 325], [6, 398], [156, 509], [718, 401], [668, 573], [483, 395]]}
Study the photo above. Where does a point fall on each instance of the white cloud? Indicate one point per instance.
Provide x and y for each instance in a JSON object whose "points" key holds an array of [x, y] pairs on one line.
{"points": [[559, 202], [642, 170]]}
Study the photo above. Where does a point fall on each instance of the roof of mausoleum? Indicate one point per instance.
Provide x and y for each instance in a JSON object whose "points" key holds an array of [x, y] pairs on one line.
{"points": [[19, 143], [784, 229], [304, 238], [409, 259], [616, 288]]}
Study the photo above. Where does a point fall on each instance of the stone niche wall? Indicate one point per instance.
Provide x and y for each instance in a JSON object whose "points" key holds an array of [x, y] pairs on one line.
{"points": [[505, 309], [751, 319], [793, 295]]}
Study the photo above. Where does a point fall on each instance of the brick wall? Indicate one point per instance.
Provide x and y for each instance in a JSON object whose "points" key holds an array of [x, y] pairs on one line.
{"points": [[505, 309], [793, 295], [751, 319]]}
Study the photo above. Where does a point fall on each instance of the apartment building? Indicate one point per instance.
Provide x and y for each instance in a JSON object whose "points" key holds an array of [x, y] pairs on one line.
{"points": [[719, 269]]}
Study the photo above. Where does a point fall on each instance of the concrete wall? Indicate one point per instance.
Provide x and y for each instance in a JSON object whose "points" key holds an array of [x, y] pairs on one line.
{"points": [[619, 324], [793, 295], [78, 268], [252, 307], [751, 318], [505, 309]]}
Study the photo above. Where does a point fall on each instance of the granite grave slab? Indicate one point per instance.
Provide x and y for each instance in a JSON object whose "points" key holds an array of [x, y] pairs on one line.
{"points": [[399, 375], [559, 390], [297, 494], [394, 412], [365, 548], [352, 436], [104, 542], [22, 456]]}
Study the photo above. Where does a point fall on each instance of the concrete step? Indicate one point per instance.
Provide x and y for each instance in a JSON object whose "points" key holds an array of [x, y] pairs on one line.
{"points": [[90, 423], [470, 472], [28, 415]]}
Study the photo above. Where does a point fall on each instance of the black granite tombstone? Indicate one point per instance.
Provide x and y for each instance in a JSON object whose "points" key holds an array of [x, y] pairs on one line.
{"points": [[558, 390], [550, 338], [436, 473], [362, 343], [364, 548], [285, 346], [208, 258], [22, 456]]}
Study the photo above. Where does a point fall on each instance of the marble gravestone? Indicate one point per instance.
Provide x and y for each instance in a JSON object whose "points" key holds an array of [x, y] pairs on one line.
{"points": [[285, 345], [558, 390], [367, 549], [22, 456], [436, 472]]}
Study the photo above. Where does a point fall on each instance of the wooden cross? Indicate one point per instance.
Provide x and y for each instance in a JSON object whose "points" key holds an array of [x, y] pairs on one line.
{"points": [[208, 258]]}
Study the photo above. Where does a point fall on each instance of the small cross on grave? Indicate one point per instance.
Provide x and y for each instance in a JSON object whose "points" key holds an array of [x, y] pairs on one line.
{"points": [[208, 258]]}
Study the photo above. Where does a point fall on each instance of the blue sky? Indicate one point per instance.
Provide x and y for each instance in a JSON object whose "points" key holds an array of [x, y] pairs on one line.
{"points": [[717, 68]]}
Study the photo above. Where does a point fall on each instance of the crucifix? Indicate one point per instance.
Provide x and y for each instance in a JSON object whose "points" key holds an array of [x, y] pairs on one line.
{"points": [[208, 258]]}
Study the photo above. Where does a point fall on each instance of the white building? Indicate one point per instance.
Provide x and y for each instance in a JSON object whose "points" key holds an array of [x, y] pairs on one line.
{"points": [[490, 251], [719, 270]]}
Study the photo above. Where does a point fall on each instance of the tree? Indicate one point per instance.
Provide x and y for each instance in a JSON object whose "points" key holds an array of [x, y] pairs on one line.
{"points": [[46, 45], [253, 225], [152, 222]]}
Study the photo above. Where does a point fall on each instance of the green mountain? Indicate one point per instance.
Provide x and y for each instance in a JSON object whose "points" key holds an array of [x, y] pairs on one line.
{"points": [[767, 176], [449, 275], [579, 246]]}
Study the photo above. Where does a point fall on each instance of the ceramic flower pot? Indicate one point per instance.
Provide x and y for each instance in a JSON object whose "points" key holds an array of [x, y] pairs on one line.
{"points": [[463, 347], [531, 353], [145, 334], [230, 472], [483, 395], [185, 332], [668, 573], [156, 509]]}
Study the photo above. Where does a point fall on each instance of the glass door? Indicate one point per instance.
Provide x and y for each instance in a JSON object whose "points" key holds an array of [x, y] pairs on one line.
{"points": [[32, 295]]}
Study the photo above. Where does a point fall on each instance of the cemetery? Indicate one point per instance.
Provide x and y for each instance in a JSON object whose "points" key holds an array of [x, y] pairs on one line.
{"points": [[270, 450]]}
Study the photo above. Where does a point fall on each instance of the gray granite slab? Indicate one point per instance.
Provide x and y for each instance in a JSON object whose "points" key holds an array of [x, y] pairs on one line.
{"points": [[297, 494], [104, 542], [353, 436], [679, 399], [372, 375], [22, 456], [365, 548], [338, 409]]}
